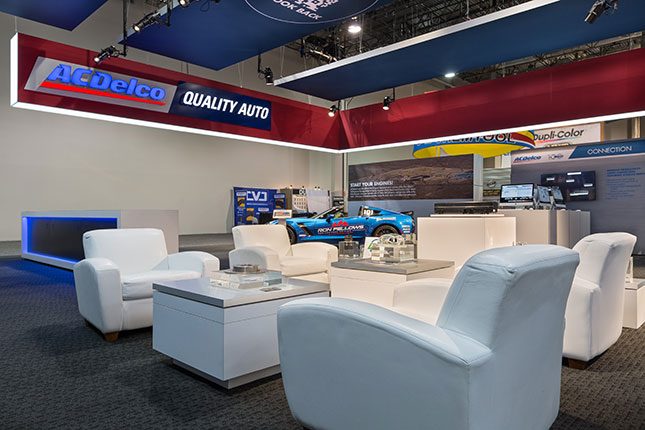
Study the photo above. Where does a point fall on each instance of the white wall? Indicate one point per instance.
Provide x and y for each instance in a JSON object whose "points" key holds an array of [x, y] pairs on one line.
{"points": [[50, 162]]}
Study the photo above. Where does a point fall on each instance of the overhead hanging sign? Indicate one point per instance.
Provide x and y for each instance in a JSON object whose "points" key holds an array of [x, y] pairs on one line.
{"points": [[187, 99], [311, 11], [223, 106], [74, 80]]}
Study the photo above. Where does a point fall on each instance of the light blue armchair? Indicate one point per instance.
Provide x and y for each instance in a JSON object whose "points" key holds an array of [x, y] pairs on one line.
{"points": [[492, 361]]}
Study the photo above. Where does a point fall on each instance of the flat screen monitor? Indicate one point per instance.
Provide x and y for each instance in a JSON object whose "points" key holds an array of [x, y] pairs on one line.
{"points": [[544, 195], [557, 195], [517, 193], [575, 186]]}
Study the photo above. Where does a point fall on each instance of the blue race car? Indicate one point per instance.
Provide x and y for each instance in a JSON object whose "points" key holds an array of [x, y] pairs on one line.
{"points": [[334, 224]]}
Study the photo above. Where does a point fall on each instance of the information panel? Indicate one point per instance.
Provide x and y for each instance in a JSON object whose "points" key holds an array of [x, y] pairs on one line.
{"points": [[416, 179]]}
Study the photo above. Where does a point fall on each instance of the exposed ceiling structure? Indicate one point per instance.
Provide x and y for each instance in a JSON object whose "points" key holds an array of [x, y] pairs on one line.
{"points": [[530, 29], [201, 34], [218, 34], [400, 20]]}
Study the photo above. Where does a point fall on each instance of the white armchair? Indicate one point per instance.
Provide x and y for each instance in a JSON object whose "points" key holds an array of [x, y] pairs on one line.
{"points": [[114, 282], [268, 246], [595, 307], [492, 361]]}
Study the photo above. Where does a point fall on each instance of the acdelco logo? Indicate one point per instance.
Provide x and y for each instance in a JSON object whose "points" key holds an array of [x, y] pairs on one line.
{"points": [[88, 81], [528, 158]]}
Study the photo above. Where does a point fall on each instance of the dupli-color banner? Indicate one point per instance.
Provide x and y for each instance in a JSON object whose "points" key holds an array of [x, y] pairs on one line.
{"points": [[572, 135]]}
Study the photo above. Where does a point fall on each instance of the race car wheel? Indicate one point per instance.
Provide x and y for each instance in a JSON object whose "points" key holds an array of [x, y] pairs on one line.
{"points": [[292, 235], [385, 229]]}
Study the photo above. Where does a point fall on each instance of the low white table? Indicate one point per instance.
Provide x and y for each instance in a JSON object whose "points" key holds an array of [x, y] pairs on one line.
{"points": [[375, 282], [225, 335]]}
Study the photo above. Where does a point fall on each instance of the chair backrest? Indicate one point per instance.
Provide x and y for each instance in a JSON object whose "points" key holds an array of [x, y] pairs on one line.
{"points": [[133, 250], [604, 258], [272, 236], [501, 295]]}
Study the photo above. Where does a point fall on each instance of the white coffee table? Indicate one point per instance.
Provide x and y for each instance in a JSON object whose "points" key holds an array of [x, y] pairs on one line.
{"points": [[374, 282], [225, 335]]}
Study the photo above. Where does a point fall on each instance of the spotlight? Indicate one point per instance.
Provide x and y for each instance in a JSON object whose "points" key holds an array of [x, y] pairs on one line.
{"points": [[599, 7], [450, 75], [332, 111], [185, 3], [354, 27], [265, 72], [148, 20], [106, 53], [268, 75], [387, 101]]}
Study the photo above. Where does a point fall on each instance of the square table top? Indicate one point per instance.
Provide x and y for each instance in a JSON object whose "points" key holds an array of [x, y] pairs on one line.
{"points": [[201, 290], [405, 268]]}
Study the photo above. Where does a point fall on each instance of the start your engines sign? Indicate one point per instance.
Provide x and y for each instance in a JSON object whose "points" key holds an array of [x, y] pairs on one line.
{"points": [[186, 99]]}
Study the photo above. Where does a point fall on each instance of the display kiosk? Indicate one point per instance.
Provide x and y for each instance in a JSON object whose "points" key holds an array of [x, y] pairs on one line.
{"points": [[56, 237]]}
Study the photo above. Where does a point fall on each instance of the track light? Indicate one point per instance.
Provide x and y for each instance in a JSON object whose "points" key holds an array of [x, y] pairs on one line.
{"points": [[450, 75], [265, 73], [332, 111], [387, 101], [106, 53], [185, 3], [599, 7], [268, 76], [148, 20], [354, 26]]}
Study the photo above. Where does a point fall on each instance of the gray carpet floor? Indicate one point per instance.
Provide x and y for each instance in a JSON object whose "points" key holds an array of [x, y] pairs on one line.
{"points": [[56, 373]]}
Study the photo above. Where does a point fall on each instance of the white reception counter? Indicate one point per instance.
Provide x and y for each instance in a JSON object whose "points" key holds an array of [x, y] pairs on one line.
{"points": [[459, 237], [56, 237]]}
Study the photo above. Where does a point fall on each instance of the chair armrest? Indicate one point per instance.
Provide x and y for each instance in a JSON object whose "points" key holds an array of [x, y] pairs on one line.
{"points": [[335, 349], [264, 257], [317, 250], [423, 297], [197, 261], [99, 293]]}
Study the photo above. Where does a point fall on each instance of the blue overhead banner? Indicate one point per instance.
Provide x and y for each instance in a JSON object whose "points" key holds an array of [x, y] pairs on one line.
{"points": [[609, 149], [310, 11], [577, 152], [212, 104]]}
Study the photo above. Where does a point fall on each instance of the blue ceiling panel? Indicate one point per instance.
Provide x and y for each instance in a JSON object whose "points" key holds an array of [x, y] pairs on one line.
{"points": [[549, 26], [217, 35], [67, 14]]}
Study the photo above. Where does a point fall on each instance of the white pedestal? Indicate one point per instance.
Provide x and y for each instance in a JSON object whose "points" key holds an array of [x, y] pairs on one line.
{"points": [[376, 287], [634, 310], [549, 227], [572, 226], [457, 238], [533, 226]]}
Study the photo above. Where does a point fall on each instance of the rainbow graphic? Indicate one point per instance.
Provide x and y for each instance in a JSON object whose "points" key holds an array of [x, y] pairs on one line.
{"points": [[486, 146]]}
